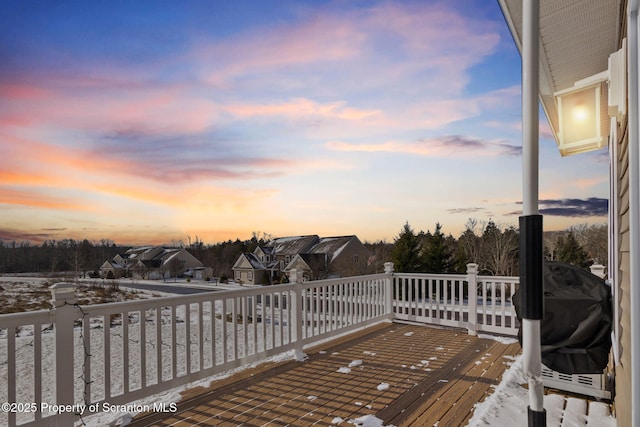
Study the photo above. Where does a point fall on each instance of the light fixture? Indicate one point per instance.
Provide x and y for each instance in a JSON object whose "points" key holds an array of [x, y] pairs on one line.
{"points": [[579, 114], [585, 108]]}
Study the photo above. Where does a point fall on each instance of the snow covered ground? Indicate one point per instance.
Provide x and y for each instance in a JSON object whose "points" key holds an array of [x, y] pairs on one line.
{"points": [[32, 293]]}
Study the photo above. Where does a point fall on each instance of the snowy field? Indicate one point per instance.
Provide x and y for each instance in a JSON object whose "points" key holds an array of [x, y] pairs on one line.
{"points": [[506, 407], [19, 294]]}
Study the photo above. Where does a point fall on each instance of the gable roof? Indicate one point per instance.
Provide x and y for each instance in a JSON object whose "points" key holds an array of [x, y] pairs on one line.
{"points": [[154, 256], [248, 260], [290, 245], [331, 245]]}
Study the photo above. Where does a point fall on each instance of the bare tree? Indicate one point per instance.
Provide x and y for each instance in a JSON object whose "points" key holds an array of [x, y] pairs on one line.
{"points": [[380, 253], [471, 242], [500, 245], [594, 239]]}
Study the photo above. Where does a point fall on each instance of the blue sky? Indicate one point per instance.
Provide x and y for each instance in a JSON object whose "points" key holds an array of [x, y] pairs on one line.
{"points": [[146, 122]]}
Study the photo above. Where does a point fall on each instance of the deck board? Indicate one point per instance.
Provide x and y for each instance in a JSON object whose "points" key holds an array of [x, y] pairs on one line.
{"points": [[433, 374]]}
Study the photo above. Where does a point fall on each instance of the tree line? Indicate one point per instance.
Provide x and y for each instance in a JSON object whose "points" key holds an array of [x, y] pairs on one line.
{"points": [[494, 247]]}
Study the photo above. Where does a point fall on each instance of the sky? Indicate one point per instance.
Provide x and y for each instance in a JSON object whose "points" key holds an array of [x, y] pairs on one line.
{"points": [[155, 122]]}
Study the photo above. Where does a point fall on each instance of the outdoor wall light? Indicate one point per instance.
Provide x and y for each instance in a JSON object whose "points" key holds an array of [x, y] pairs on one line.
{"points": [[587, 106], [579, 114]]}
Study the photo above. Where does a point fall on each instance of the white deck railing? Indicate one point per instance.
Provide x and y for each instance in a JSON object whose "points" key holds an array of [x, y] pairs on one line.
{"points": [[478, 303], [120, 352]]}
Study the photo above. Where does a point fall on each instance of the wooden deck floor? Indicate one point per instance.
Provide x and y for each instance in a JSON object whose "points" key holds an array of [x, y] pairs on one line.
{"points": [[405, 375]]}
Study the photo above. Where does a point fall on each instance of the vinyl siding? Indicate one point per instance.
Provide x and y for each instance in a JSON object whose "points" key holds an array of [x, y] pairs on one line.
{"points": [[623, 370]]}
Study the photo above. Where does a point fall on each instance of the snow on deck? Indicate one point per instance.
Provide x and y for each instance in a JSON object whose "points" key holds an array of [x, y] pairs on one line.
{"points": [[397, 374]]}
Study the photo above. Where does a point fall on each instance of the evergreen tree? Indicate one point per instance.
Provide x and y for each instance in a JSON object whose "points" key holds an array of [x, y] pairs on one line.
{"points": [[437, 257], [406, 251], [569, 251]]}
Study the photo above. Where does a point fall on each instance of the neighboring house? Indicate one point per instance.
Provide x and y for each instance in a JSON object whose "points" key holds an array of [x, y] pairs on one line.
{"points": [[317, 259], [267, 262], [249, 270], [594, 45], [284, 249], [199, 273], [112, 270], [332, 257], [150, 262]]}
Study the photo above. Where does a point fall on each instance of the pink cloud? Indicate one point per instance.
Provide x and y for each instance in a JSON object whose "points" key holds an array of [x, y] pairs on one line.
{"points": [[383, 45], [73, 102], [322, 38], [40, 199], [19, 91], [301, 107]]}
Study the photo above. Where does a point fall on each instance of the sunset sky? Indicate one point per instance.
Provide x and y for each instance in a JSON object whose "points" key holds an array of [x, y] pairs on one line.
{"points": [[147, 122]]}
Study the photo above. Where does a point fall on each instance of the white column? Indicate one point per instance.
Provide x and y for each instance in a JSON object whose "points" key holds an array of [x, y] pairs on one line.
{"points": [[532, 359]]}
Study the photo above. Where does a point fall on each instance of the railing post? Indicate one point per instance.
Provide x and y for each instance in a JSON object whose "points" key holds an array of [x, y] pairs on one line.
{"points": [[472, 296], [63, 299], [597, 270], [295, 278], [388, 304]]}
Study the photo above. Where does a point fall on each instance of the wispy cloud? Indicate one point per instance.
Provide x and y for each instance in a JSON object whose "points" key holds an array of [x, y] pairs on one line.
{"points": [[574, 208], [302, 107], [9, 235], [446, 146], [376, 45], [40, 199], [470, 210], [592, 206]]}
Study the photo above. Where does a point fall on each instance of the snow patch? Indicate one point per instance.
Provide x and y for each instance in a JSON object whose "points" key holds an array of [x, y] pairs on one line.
{"points": [[502, 340], [367, 421], [383, 387], [344, 370], [507, 406]]}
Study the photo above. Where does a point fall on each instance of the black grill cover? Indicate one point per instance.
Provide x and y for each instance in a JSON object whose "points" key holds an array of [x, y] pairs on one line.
{"points": [[576, 329]]}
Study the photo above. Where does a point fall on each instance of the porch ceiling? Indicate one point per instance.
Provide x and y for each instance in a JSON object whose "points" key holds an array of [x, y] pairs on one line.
{"points": [[576, 39]]}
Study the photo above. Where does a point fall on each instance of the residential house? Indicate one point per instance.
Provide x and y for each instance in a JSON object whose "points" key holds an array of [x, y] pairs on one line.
{"points": [[250, 270], [317, 258], [150, 262], [331, 257], [267, 262], [284, 249], [592, 47]]}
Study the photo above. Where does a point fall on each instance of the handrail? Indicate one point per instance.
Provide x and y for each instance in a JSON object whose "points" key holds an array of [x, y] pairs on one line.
{"points": [[129, 350]]}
